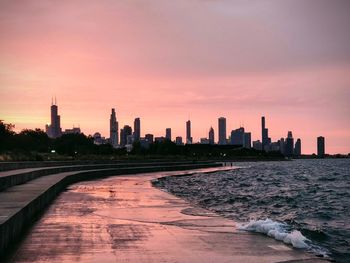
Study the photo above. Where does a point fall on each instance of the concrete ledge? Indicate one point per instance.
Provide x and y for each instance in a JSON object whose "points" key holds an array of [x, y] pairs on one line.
{"points": [[20, 204], [16, 177]]}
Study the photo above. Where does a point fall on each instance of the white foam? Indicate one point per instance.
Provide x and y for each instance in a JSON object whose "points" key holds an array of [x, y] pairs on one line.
{"points": [[276, 230]]}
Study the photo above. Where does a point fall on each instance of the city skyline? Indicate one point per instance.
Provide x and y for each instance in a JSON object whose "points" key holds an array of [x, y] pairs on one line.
{"points": [[163, 61]]}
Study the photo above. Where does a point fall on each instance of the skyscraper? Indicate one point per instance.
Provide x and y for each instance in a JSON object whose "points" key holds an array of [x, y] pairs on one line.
{"points": [[168, 134], [211, 136], [297, 148], [320, 146], [247, 140], [113, 129], [222, 130], [124, 133], [289, 148], [137, 129], [54, 129], [178, 140], [149, 137], [188, 132], [237, 137], [265, 140]]}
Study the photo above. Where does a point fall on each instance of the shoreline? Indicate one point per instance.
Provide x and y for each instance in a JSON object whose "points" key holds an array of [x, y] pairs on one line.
{"points": [[147, 225]]}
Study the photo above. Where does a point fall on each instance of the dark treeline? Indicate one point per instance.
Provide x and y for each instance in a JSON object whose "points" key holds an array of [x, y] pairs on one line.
{"points": [[80, 144]]}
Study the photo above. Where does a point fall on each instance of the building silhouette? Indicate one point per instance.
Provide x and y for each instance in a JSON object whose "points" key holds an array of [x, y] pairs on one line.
{"points": [[149, 137], [168, 134], [320, 146], [113, 130], [178, 140], [222, 131], [237, 137], [137, 129], [247, 140], [125, 133], [265, 140], [297, 148], [54, 129], [188, 132], [257, 145], [289, 145], [211, 136]]}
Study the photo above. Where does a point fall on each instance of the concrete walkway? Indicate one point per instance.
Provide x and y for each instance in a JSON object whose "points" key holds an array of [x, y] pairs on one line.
{"points": [[125, 219]]}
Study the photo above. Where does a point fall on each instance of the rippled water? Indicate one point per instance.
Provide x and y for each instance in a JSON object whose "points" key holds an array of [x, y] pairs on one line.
{"points": [[280, 199]]}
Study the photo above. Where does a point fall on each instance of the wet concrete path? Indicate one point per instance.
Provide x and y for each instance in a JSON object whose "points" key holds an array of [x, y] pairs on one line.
{"points": [[125, 219]]}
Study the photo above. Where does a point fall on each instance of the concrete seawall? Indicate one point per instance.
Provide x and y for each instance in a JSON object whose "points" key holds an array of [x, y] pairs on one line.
{"points": [[20, 204], [15, 177]]}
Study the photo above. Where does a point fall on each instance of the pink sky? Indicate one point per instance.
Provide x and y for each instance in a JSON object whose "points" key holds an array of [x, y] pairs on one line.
{"points": [[166, 61]]}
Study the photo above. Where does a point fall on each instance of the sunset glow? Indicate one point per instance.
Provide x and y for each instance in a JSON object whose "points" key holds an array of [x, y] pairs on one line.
{"points": [[170, 61]]}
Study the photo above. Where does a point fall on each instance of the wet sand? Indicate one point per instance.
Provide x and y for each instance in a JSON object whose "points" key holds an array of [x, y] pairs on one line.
{"points": [[125, 219]]}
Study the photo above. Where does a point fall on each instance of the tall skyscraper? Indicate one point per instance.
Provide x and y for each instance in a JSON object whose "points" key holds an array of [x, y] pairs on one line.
{"points": [[320, 146], [54, 129], [222, 130], [113, 130], [211, 136], [265, 140], [297, 148], [168, 134], [188, 132], [289, 147], [137, 129]]}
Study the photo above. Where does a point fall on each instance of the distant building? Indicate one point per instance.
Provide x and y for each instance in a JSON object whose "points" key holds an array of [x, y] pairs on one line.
{"points": [[247, 140], [188, 132], [282, 146], [168, 134], [149, 137], [320, 146], [137, 129], [222, 131], [211, 136], [274, 147], [178, 140], [289, 145], [297, 148], [144, 143], [124, 133], [237, 137], [74, 130], [257, 145], [54, 129], [130, 139], [204, 141], [113, 130], [159, 139], [98, 139]]}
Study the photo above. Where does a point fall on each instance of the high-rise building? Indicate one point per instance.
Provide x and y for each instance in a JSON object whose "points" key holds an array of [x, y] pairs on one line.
{"points": [[211, 136], [320, 146], [113, 130], [237, 136], [168, 134], [265, 140], [188, 132], [247, 140], [124, 133], [297, 148], [178, 140], [149, 137], [257, 145], [289, 145], [222, 131], [54, 129], [137, 129], [282, 146]]}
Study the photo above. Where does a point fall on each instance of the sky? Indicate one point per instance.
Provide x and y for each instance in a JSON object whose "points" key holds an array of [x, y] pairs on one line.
{"points": [[169, 61]]}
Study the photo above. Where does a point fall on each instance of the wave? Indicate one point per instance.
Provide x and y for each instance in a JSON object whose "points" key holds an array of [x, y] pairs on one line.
{"points": [[278, 231]]}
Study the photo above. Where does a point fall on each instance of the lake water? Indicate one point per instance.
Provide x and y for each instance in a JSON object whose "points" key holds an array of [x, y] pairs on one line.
{"points": [[305, 203]]}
